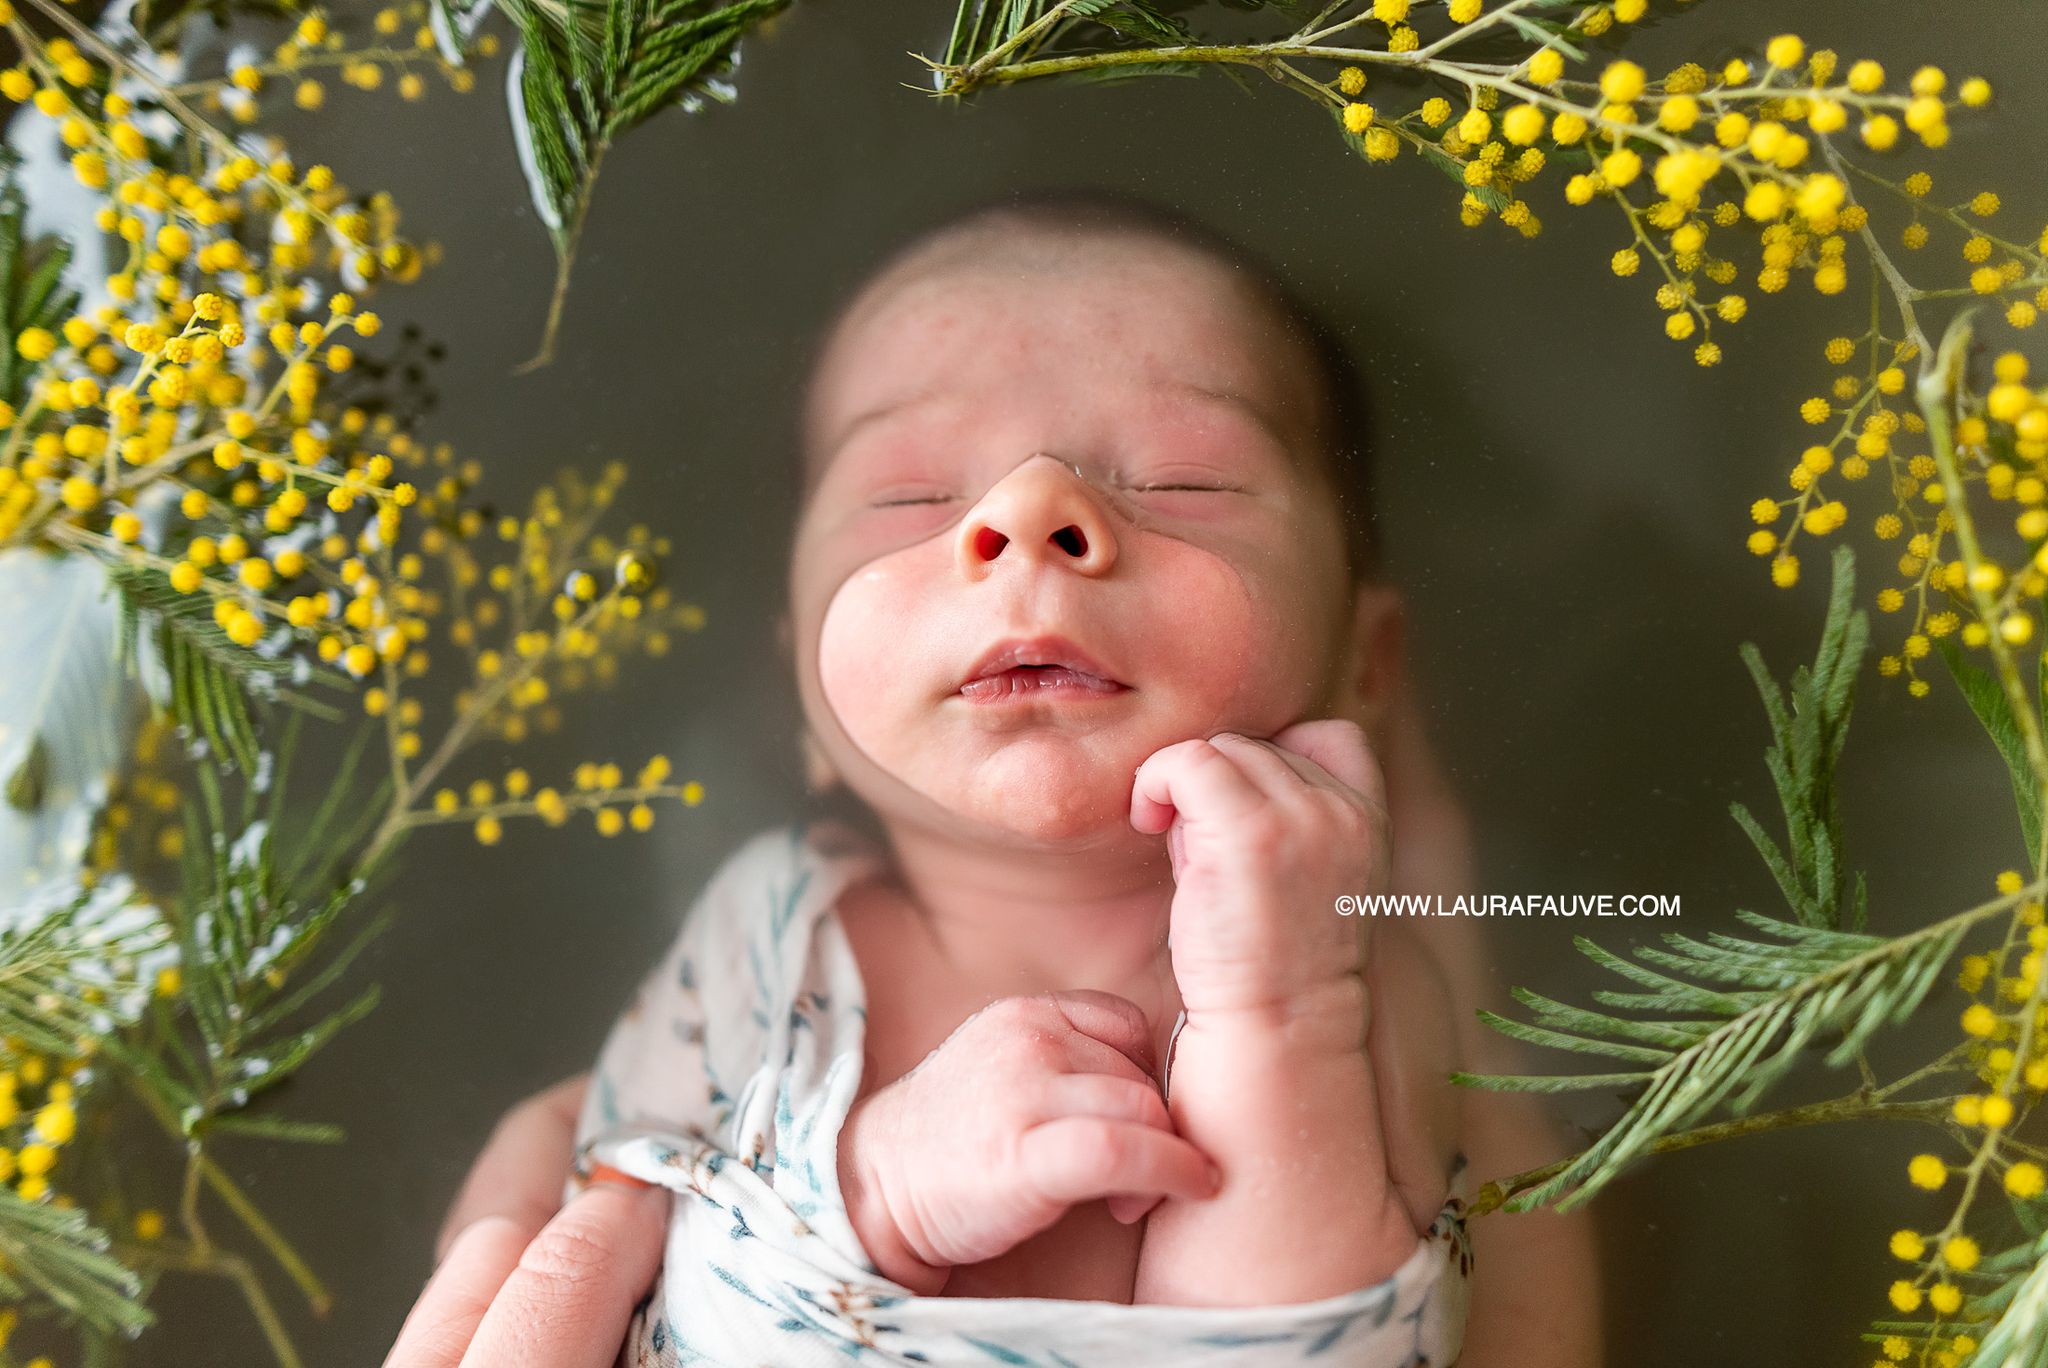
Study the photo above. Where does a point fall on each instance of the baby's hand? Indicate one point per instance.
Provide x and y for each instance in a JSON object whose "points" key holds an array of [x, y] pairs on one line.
{"points": [[1264, 838], [1031, 1105]]}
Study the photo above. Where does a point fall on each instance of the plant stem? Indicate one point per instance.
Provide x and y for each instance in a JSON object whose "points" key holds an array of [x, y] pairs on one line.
{"points": [[162, 1254], [199, 1166], [1939, 383], [565, 261], [1850, 1108]]}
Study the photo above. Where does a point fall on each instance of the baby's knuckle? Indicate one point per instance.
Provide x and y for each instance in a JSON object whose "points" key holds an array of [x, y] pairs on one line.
{"points": [[1150, 1103], [1012, 1015], [1349, 733], [995, 1027], [1265, 834], [1099, 1146], [1348, 819]]}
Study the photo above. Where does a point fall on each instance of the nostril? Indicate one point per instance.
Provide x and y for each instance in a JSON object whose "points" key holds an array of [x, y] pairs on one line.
{"points": [[1071, 540], [989, 543]]}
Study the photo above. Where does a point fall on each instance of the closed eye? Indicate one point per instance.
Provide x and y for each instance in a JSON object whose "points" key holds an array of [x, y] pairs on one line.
{"points": [[1212, 489], [905, 503]]}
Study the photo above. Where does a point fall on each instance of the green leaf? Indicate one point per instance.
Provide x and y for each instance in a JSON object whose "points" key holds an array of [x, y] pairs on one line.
{"points": [[587, 71], [279, 1128], [1443, 161], [1809, 721], [57, 1255], [2019, 1338], [1547, 1083], [30, 280], [1758, 1004], [30, 779], [1987, 698], [203, 679], [454, 24]]}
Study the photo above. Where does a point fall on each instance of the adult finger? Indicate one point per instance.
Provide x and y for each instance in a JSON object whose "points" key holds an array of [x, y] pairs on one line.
{"points": [[568, 1302], [522, 1167], [443, 1321]]}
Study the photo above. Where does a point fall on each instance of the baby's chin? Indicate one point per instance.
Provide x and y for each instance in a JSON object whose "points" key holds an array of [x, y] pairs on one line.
{"points": [[1040, 789]]}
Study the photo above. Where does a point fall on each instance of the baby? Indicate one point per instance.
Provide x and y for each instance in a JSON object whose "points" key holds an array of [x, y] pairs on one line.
{"points": [[1049, 1044]]}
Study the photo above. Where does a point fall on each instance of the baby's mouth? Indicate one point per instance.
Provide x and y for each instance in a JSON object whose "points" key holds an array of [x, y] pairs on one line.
{"points": [[1038, 682]]}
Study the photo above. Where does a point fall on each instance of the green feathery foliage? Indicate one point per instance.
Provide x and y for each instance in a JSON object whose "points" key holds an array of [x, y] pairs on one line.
{"points": [[587, 71], [60, 983], [210, 678], [2019, 1338], [247, 922], [1019, 30], [1809, 723], [1994, 709], [29, 280], [57, 1256], [1746, 1008], [983, 27]]}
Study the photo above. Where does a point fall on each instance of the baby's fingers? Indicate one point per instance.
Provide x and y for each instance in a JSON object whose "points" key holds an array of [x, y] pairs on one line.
{"points": [[1128, 1209], [1081, 1158], [1104, 1095], [1115, 1021], [1116, 1098]]}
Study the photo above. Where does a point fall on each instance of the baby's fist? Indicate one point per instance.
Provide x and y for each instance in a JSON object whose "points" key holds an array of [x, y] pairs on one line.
{"points": [[1031, 1105], [1264, 837]]}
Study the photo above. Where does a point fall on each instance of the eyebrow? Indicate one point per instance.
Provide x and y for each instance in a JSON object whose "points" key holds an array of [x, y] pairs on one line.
{"points": [[1223, 397], [876, 415]]}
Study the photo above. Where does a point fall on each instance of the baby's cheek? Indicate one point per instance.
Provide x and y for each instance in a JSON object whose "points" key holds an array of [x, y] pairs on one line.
{"points": [[1212, 642], [853, 673], [876, 657]]}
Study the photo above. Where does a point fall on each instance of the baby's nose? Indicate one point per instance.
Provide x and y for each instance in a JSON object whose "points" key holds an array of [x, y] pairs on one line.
{"points": [[1042, 510]]}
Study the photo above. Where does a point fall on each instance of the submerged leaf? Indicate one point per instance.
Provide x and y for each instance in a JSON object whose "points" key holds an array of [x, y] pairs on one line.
{"points": [[588, 71], [1988, 700], [1810, 980]]}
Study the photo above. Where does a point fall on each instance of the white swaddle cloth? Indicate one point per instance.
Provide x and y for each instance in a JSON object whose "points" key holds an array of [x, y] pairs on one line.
{"points": [[727, 1079]]}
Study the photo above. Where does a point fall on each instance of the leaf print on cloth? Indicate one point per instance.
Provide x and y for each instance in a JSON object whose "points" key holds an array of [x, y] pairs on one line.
{"points": [[761, 1266]]}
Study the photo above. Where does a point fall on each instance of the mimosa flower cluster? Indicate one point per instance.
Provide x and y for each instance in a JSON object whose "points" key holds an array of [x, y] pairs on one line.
{"points": [[217, 436], [1791, 169], [404, 45], [2005, 1051], [1993, 454]]}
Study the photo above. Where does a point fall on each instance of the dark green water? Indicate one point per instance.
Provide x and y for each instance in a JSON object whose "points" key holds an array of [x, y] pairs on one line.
{"points": [[1564, 499]]}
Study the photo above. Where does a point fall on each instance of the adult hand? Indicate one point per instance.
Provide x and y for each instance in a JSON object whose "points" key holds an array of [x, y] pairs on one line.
{"points": [[524, 1165], [561, 1295]]}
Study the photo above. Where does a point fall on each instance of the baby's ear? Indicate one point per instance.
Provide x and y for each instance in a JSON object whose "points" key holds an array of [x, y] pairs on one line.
{"points": [[1378, 652], [820, 777]]}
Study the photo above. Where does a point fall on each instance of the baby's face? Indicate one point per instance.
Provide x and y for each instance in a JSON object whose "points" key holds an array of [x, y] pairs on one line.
{"points": [[1192, 565]]}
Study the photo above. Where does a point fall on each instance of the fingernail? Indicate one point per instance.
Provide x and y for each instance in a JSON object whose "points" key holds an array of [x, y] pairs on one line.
{"points": [[1215, 1179]]}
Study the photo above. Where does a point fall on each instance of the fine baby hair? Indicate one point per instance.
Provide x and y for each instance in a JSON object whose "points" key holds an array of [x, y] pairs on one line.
{"points": [[1033, 228], [1008, 220]]}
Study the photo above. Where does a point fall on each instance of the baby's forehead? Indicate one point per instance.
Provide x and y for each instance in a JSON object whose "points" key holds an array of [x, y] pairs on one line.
{"points": [[1180, 316]]}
